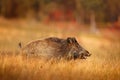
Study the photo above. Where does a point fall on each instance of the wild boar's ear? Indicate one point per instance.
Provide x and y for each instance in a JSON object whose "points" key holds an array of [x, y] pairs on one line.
{"points": [[74, 40], [69, 40]]}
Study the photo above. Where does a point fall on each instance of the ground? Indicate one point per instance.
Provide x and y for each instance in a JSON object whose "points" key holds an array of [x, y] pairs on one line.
{"points": [[102, 65]]}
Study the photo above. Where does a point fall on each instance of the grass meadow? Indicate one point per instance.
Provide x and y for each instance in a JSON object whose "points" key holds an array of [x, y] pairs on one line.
{"points": [[103, 64]]}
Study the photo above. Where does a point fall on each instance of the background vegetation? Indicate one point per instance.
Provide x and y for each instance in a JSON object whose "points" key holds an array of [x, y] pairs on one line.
{"points": [[105, 10]]}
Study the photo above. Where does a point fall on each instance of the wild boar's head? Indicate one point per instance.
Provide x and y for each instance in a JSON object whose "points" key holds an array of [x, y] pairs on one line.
{"points": [[75, 50]]}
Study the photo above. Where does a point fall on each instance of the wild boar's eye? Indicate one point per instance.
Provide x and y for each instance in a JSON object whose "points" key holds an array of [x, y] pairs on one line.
{"points": [[76, 55]]}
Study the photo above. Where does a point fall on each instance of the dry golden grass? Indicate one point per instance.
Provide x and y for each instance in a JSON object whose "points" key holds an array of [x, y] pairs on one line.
{"points": [[104, 64], [18, 68]]}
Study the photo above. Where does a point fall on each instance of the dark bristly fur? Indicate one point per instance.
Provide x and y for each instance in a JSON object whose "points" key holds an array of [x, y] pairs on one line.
{"points": [[56, 48]]}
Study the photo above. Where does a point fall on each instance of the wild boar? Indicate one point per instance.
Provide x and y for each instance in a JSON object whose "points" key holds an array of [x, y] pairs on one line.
{"points": [[54, 47]]}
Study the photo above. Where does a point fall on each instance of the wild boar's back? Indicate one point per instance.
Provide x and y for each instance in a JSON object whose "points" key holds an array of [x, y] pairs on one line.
{"points": [[47, 48]]}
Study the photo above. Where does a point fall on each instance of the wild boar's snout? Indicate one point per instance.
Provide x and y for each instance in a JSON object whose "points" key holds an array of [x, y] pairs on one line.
{"points": [[84, 54], [87, 53]]}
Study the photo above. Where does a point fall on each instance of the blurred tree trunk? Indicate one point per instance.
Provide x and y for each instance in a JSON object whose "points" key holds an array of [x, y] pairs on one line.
{"points": [[93, 26], [112, 10], [79, 11], [36, 7], [0, 6], [9, 8]]}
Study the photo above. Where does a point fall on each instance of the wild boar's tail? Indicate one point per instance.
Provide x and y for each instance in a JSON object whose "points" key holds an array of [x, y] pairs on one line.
{"points": [[20, 45]]}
